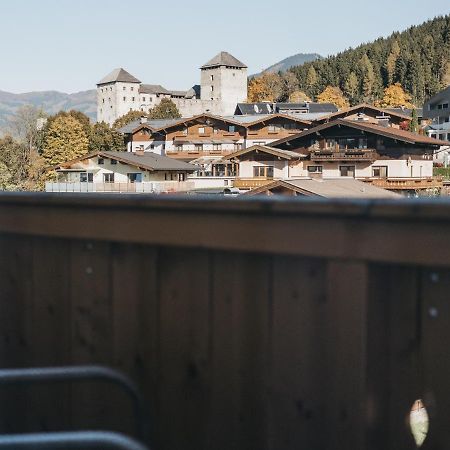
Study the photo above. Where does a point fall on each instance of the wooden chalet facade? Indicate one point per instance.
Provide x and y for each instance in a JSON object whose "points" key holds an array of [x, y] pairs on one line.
{"points": [[366, 113], [384, 156], [209, 136]]}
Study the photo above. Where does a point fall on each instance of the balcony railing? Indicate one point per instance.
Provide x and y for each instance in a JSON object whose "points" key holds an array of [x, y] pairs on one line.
{"points": [[344, 155], [156, 187], [248, 324], [251, 183], [406, 183]]}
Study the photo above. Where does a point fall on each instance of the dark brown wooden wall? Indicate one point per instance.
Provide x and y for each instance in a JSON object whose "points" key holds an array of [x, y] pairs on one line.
{"points": [[232, 349]]}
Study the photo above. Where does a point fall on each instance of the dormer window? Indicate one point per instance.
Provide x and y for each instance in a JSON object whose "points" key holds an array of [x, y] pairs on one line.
{"points": [[231, 129]]}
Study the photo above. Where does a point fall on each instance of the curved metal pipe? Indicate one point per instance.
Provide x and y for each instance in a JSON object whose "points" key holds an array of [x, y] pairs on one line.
{"points": [[82, 373], [68, 440]]}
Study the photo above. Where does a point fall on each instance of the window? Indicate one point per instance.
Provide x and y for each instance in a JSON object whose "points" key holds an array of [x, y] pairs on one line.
{"points": [[231, 129], [445, 106], [347, 171], [315, 169], [181, 177], [124, 99], [132, 98], [152, 146], [178, 147], [201, 130], [113, 162], [217, 147], [362, 143], [198, 147], [379, 171], [143, 99], [237, 146], [86, 177], [124, 88], [132, 88], [263, 171], [108, 178], [100, 161], [348, 143], [211, 77], [103, 100], [185, 131], [215, 130], [134, 177], [212, 88]]}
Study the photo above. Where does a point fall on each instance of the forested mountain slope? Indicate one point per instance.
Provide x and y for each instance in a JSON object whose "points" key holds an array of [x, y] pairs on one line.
{"points": [[418, 59]]}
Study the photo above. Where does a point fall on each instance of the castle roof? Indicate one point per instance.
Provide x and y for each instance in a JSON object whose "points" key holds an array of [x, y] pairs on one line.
{"points": [[118, 75], [224, 59]]}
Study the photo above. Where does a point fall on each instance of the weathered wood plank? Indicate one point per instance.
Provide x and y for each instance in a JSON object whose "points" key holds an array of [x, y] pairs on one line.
{"points": [[185, 318], [299, 370], [347, 297], [16, 326], [135, 324], [240, 351], [91, 329]]}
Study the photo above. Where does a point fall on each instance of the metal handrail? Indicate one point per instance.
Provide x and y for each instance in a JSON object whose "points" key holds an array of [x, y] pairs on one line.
{"points": [[67, 440], [82, 373]]}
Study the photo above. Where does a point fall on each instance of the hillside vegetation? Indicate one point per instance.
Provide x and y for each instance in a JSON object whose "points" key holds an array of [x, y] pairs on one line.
{"points": [[418, 59]]}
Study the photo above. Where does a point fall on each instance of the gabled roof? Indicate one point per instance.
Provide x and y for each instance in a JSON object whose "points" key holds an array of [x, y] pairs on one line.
{"points": [[328, 188], [283, 154], [389, 132], [224, 59], [149, 161], [118, 75], [362, 108], [153, 89]]}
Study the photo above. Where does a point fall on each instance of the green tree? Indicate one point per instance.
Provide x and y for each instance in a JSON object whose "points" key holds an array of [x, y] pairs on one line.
{"points": [[165, 110], [414, 124], [368, 77], [127, 118], [311, 81], [65, 140], [103, 138], [351, 87], [391, 61]]}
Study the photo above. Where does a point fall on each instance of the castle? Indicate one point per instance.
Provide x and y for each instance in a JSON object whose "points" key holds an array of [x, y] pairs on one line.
{"points": [[223, 84]]}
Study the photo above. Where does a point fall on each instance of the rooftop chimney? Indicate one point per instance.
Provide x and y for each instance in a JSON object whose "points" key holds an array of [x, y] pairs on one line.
{"points": [[144, 119]]}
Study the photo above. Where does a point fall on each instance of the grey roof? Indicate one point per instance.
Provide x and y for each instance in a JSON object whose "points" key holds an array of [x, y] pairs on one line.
{"points": [[340, 188], [150, 161], [224, 59], [193, 92], [249, 118], [406, 111], [272, 108], [153, 89], [152, 123], [120, 75]]}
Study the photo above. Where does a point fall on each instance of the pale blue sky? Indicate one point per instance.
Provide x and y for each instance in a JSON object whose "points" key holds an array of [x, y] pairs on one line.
{"points": [[70, 45]]}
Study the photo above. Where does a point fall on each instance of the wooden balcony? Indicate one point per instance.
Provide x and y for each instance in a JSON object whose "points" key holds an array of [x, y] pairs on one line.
{"points": [[251, 183], [406, 183], [344, 155], [248, 323]]}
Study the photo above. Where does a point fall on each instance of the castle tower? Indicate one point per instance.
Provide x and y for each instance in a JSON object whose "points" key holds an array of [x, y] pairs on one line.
{"points": [[117, 94], [224, 79]]}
